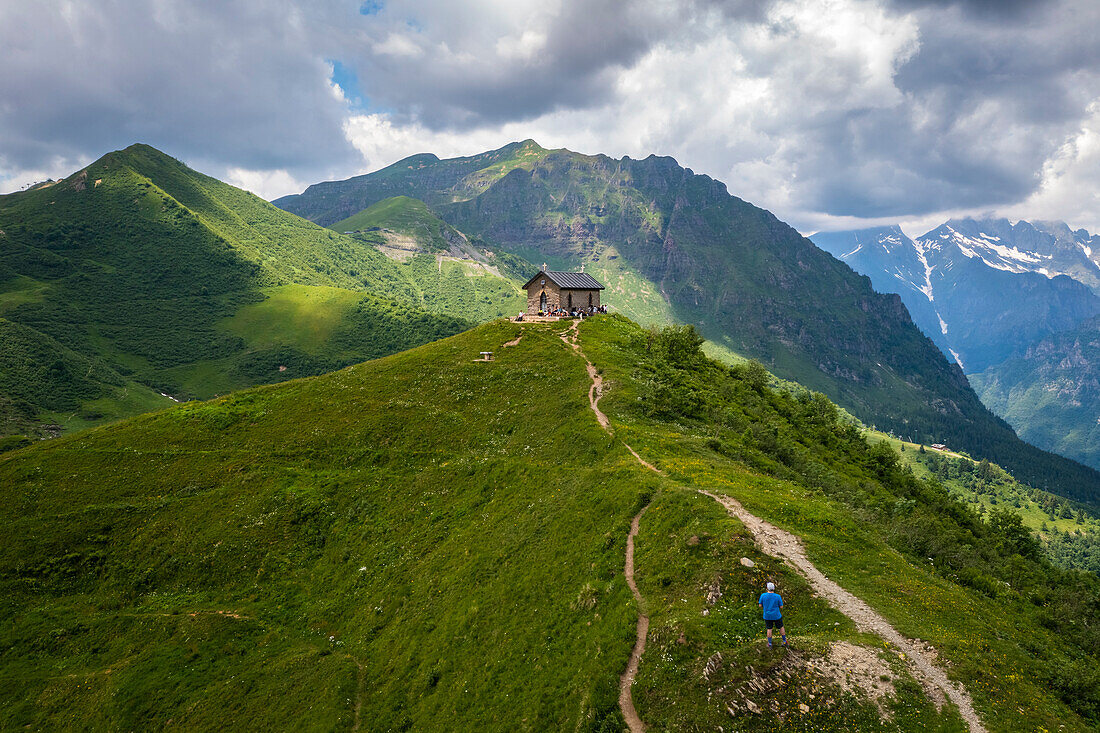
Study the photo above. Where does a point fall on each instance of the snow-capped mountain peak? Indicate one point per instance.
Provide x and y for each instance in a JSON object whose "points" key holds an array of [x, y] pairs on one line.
{"points": [[1046, 248], [981, 289]]}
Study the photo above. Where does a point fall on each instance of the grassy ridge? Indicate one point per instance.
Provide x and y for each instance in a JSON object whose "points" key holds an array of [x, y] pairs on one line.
{"points": [[677, 247], [405, 215], [407, 515], [439, 543], [1017, 631]]}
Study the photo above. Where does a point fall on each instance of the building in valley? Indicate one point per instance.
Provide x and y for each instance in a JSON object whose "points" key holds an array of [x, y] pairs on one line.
{"points": [[548, 291]]}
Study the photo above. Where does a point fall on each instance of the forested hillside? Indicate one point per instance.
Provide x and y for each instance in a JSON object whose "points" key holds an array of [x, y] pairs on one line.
{"points": [[1051, 393]]}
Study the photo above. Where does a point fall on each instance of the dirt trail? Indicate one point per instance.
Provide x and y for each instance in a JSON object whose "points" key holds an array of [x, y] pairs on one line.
{"points": [[569, 336], [782, 544], [626, 699], [626, 682]]}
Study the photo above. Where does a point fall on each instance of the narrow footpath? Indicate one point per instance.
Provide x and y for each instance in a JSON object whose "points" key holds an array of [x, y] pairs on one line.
{"points": [[626, 681], [781, 544]]}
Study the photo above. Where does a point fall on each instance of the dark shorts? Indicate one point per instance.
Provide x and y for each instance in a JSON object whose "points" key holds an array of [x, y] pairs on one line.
{"points": [[770, 623]]}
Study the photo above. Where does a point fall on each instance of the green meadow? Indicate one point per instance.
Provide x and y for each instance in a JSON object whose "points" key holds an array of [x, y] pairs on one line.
{"points": [[1069, 531], [425, 542]]}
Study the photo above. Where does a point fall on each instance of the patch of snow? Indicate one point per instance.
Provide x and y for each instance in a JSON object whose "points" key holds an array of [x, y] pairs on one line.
{"points": [[1013, 253], [991, 239], [958, 359], [1044, 271], [859, 246], [1087, 250], [943, 325], [927, 289], [169, 397], [1006, 258]]}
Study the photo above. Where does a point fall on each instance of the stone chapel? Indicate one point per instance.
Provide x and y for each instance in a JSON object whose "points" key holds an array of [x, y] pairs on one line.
{"points": [[548, 291]]}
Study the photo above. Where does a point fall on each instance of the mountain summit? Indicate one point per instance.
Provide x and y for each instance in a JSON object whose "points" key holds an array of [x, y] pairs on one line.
{"points": [[137, 278]]}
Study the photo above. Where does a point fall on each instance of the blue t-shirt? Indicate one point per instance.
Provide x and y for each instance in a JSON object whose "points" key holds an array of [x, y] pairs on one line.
{"points": [[771, 602]]}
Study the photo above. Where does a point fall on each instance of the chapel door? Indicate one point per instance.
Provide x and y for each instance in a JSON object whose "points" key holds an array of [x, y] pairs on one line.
{"points": [[542, 302]]}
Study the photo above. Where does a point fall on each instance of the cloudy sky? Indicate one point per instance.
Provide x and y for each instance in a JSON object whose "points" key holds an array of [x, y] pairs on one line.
{"points": [[831, 113]]}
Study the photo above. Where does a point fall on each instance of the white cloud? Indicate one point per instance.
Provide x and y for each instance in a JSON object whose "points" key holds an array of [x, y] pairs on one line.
{"points": [[269, 184], [58, 168], [523, 47], [1070, 187], [399, 45]]}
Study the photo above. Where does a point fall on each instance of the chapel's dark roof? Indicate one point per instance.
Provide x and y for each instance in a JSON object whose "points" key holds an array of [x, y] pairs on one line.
{"points": [[569, 280]]}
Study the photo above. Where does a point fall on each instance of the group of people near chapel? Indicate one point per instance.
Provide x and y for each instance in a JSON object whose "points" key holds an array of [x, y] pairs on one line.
{"points": [[575, 312], [572, 312]]}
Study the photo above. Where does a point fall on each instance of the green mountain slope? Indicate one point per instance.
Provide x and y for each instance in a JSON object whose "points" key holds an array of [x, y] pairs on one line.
{"points": [[351, 546], [1050, 394], [403, 215], [42, 379], [141, 266], [423, 177], [449, 272], [675, 246], [1069, 532], [424, 542]]}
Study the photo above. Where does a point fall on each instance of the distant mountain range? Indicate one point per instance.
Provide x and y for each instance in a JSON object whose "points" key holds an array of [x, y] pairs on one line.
{"points": [[982, 297], [991, 293], [673, 246]]}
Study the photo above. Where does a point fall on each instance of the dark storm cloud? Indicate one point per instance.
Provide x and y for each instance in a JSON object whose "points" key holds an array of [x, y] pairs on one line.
{"points": [[232, 82], [451, 68], [978, 8], [845, 108], [987, 94]]}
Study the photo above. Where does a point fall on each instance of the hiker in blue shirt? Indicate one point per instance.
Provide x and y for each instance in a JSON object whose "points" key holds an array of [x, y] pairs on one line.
{"points": [[771, 602]]}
